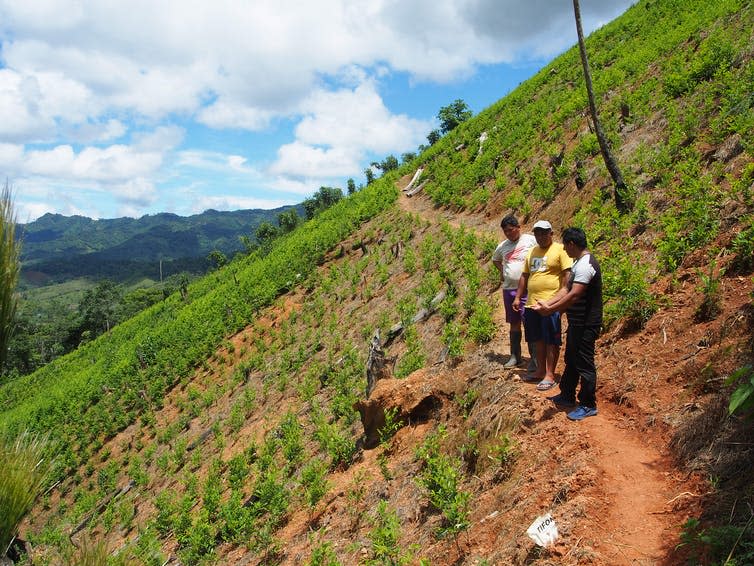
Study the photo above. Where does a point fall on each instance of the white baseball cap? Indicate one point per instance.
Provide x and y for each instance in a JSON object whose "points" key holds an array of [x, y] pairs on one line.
{"points": [[542, 224]]}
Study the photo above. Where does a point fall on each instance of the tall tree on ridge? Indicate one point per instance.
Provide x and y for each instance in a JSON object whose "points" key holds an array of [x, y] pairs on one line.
{"points": [[453, 114], [620, 190]]}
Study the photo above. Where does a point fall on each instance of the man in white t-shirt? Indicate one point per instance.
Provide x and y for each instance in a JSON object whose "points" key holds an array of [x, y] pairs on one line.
{"points": [[509, 258]]}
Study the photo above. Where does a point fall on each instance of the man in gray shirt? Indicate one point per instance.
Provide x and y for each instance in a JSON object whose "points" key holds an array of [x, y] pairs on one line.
{"points": [[581, 299]]}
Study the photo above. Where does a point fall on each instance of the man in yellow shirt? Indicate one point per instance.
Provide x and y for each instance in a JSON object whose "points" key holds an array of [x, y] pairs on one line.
{"points": [[545, 273]]}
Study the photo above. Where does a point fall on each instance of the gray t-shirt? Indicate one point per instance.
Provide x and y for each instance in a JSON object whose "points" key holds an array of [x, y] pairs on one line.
{"points": [[513, 255]]}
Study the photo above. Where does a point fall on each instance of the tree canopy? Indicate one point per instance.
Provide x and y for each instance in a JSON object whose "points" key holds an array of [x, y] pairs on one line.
{"points": [[324, 198], [452, 115]]}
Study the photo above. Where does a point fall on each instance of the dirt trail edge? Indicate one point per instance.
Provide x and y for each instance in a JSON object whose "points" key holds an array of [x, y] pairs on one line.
{"points": [[630, 516]]}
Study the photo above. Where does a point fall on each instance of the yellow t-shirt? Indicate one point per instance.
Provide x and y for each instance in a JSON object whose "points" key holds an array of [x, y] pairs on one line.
{"points": [[544, 267]]}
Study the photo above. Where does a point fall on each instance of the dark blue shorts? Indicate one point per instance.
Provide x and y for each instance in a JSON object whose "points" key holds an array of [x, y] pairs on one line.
{"points": [[538, 328]]}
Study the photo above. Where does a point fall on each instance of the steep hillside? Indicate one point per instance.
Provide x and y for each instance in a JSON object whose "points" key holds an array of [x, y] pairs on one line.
{"points": [[235, 425]]}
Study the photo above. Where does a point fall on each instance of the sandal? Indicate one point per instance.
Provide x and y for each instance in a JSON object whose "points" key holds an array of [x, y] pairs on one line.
{"points": [[545, 385]]}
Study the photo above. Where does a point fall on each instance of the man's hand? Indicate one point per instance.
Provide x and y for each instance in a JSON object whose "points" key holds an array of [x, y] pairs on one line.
{"points": [[541, 308], [516, 304]]}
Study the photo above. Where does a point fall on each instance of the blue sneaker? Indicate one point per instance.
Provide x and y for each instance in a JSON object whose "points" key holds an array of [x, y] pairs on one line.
{"points": [[562, 400], [582, 412]]}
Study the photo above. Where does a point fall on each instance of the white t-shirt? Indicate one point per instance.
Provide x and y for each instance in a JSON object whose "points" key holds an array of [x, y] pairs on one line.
{"points": [[513, 255]]}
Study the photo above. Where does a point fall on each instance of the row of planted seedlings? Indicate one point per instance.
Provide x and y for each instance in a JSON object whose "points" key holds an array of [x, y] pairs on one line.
{"points": [[305, 364], [439, 257], [89, 392], [88, 396], [341, 389]]}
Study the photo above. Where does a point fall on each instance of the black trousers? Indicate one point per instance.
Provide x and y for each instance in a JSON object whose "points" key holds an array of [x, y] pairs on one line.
{"points": [[579, 365]]}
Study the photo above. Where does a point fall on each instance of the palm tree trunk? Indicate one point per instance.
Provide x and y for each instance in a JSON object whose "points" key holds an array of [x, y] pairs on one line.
{"points": [[620, 190]]}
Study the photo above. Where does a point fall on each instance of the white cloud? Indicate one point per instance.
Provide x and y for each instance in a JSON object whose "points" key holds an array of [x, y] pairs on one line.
{"points": [[339, 128], [30, 104], [113, 163], [94, 132], [301, 187], [235, 202], [216, 162], [36, 196], [357, 118], [28, 212], [225, 114], [138, 192], [42, 15], [236, 162], [237, 65], [161, 139], [10, 157], [301, 160]]}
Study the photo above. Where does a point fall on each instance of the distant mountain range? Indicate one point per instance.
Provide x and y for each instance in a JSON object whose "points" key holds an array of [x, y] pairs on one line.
{"points": [[57, 248]]}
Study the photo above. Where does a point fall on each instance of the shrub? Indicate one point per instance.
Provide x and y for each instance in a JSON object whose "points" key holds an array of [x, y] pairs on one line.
{"points": [[516, 201], [25, 468], [711, 304], [335, 441], [448, 306], [431, 253], [237, 418], [237, 521], [414, 357], [588, 146], [314, 482], [467, 401], [439, 478], [714, 54], [393, 423], [270, 495], [481, 326], [166, 511], [478, 198], [323, 555], [695, 218], [409, 261], [725, 545], [238, 470], [451, 337], [542, 185], [291, 435], [743, 248], [200, 540], [626, 291], [384, 537], [505, 452]]}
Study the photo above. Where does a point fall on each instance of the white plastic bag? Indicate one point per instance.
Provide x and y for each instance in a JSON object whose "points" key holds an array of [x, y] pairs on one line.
{"points": [[543, 530]]}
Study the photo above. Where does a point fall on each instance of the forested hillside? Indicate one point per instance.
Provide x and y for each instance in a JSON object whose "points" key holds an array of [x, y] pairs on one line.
{"points": [[59, 248], [81, 277], [234, 423]]}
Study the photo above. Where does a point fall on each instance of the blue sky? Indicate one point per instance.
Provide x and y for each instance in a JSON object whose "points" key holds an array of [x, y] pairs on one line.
{"points": [[114, 108]]}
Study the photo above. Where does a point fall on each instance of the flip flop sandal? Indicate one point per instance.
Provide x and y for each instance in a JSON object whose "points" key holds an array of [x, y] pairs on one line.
{"points": [[545, 385]]}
